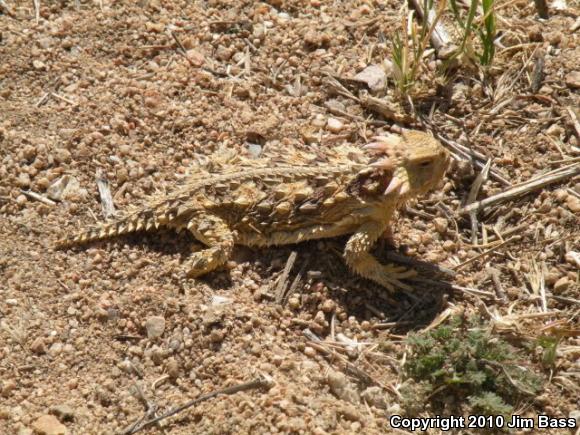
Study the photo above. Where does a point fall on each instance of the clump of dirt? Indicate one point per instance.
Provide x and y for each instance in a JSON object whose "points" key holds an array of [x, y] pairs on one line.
{"points": [[93, 339]]}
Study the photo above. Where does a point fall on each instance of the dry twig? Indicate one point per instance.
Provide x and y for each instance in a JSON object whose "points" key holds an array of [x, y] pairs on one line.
{"points": [[524, 188], [473, 192], [105, 194], [439, 36], [261, 382], [38, 197], [282, 285]]}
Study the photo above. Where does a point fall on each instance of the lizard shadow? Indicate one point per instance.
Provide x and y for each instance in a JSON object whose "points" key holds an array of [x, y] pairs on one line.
{"points": [[320, 274]]}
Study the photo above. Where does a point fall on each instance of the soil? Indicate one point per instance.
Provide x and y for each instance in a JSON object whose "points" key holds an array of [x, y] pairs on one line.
{"points": [[92, 339]]}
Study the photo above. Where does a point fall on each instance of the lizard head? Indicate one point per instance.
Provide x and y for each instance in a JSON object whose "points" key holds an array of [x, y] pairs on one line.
{"points": [[416, 160]]}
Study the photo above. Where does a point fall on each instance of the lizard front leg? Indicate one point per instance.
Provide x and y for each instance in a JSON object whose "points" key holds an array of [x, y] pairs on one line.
{"points": [[215, 233], [358, 258]]}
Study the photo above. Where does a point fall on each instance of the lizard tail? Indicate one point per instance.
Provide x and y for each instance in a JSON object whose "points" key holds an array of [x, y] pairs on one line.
{"points": [[104, 231]]}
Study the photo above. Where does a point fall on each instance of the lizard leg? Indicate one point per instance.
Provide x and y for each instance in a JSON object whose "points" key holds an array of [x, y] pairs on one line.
{"points": [[215, 233], [358, 258]]}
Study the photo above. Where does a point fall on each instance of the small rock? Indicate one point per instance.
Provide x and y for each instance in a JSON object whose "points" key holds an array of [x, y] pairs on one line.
{"points": [[216, 336], [449, 246], [38, 346], [155, 326], [447, 52], [334, 125], [441, 225], [62, 155], [255, 150], [350, 412], [328, 306], [38, 65], [573, 80], [573, 257], [55, 349], [63, 412], [196, 58], [374, 396], [224, 53], [154, 27], [573, 203], [48, 425], [373, 76], [316, 39], [7, 387], [21, 199], [554, 130], [341, 387], [172, 368], [294, 303], [24, 180], [562, 285]]}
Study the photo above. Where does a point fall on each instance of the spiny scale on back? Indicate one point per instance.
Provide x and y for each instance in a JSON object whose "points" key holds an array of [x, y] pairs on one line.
{"points": [[293, 196]]}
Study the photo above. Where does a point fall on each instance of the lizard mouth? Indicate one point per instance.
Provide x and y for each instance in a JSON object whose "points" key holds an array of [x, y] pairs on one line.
{"points": [[397, 185], [387, 146]]}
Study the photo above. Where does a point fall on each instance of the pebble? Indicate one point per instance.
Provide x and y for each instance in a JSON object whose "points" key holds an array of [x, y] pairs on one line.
{"points": [[573, 258], [341, 387], [48, 425], [62, 155], [294, 303], [55, 349], [255, 150], [7, 387], [562, 285], [374, 396], [573, 80], [334, 125], [38, 346], [172, 368], [21, 199], [154, 27], [573, 203], [328, 306], [155, 326], [216, 336], [38, 65], [24, 180], [555, 130], [318, 121], [350, 412], [373, 76], [441, 225], [449, 245]]}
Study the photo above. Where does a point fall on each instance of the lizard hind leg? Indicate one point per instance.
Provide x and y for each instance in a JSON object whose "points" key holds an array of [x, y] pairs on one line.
{"points": [[215, 233]]}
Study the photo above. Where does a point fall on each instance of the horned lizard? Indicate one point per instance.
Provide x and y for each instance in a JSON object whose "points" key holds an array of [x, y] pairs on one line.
{"points": [[285, 199]]}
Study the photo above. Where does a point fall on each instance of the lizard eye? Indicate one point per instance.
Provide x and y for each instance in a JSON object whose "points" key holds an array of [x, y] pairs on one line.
{"points": [[425, 164]]}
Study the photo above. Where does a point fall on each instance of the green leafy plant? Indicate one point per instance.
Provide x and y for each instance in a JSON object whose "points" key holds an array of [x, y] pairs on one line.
{"points": [[549, 345], [409, 49], [484, 28], [462, 360]]}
